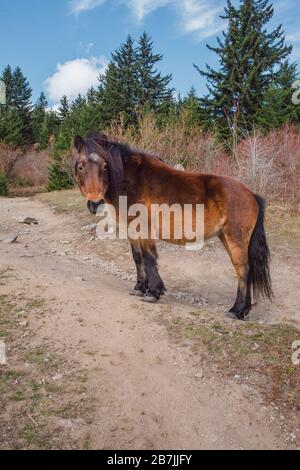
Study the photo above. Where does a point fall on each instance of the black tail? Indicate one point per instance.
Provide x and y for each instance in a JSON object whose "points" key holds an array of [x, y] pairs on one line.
{"points": [[259, 256]]}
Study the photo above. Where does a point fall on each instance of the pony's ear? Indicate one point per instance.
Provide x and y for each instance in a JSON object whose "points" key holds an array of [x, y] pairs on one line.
{"points": [[116, 172], [78, 143]]}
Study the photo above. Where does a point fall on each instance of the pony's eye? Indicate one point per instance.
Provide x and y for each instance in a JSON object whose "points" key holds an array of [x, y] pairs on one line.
{"points": [[80, 168]]}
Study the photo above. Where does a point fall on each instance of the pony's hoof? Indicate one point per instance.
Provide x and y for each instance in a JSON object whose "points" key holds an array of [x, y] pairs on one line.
{"points": [[136, 293], [149, 299], [243, 316], [232, 316]]}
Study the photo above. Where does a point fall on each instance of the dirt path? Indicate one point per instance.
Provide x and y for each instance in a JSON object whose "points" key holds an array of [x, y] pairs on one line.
{"points": [[131, 385]]}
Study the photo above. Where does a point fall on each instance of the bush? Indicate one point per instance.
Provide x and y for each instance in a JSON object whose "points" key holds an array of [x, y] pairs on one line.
{"points": [[3, 185], [60, 169]]}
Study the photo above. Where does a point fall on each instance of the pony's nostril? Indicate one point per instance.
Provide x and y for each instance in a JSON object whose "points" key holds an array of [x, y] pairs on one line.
{"points": [[94, 206]]}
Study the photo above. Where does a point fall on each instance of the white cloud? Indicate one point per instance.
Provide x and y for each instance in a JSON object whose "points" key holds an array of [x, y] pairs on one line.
{"points": [[293, 37], [141, 8], [78, 6], [74, 77], [198, 17]]}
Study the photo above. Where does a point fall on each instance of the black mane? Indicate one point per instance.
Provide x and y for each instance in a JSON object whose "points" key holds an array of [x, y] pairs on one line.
{"points": [[96, 142]]}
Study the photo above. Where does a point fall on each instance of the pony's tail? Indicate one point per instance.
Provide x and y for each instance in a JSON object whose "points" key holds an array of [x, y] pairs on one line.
{"points": [[259, 256]]}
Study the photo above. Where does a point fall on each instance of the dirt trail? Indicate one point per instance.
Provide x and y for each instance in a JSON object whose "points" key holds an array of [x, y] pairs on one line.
{"points": [[145, 390]]}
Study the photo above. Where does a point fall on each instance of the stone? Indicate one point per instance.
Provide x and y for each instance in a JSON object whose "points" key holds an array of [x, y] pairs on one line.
{"points": [[10, 240], [28, 221], [57, 377], [199, 375]]}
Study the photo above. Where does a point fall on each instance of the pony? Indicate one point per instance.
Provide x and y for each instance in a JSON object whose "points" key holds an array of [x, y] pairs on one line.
{"points": [[106, 169]]}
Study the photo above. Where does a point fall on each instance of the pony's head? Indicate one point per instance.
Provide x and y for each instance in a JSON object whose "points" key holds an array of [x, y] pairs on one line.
{"points": [[99, 170]]}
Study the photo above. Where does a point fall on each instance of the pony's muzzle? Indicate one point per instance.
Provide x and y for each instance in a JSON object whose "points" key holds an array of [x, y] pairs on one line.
{"points": [[96, 207]]}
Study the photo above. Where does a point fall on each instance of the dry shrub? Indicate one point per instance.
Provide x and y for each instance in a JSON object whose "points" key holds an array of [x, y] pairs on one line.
{"points": [[270, 164], [177, 143], [31, 169], [8, 157]]}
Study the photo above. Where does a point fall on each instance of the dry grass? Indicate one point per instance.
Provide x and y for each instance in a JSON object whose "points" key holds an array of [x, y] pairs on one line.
{"points": [[259, 355], [65, 201], [32, 405]]}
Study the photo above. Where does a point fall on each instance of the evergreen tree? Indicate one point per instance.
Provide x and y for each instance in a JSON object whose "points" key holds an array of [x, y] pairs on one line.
{"points": [[250, 57], [49, 128], [64, 109], [60, 176], [38, 116], [119, 86], [21, 101], [92, 96], [16, 126], [278, 108], [78, 103], [154, 88], [13, 128], [190, 106]]}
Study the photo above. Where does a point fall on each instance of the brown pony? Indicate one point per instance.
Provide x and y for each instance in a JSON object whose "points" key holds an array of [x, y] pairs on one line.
{"points": [[106, 169]]}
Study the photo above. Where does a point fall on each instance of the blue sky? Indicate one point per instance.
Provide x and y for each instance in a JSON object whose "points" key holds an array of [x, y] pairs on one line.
{"points": [[62, 45]]}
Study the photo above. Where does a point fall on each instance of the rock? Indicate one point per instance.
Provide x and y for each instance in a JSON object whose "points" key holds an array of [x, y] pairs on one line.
{"points": [[28, 221], [89, 227], [10, 240], [199, 375], [57, 377], [23, 324]]}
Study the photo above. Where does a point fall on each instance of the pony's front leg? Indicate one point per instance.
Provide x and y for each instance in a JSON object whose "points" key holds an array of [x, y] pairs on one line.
{"points": [[142, 280], [156, 287]]}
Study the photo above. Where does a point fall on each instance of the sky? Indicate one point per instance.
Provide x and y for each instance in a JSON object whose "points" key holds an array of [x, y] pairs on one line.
{"points": [[63, 45]]}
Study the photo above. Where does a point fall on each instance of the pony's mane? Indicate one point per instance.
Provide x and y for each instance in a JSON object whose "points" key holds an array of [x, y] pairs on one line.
{"points": [[99, 142]]}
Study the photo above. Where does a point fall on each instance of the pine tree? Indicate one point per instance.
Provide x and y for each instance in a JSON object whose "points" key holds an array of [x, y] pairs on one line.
{"points": [[49, 128], [21, 101], [190, 106], [60, 176], [278, 108], [250, 56], [78, 103], [64, 109], [14, 128], [154, 88], [38, 116], [119, 86]]}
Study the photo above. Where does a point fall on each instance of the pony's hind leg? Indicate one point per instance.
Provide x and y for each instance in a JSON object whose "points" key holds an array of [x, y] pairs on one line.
{"points": [[156, 287], [142, 280], [237, 248]]}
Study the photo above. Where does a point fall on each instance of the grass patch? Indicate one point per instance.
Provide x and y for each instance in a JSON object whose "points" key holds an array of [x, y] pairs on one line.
{"points": [[261, 353], [17, 396], [33, 438], [283, 226], [64, 201]]}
